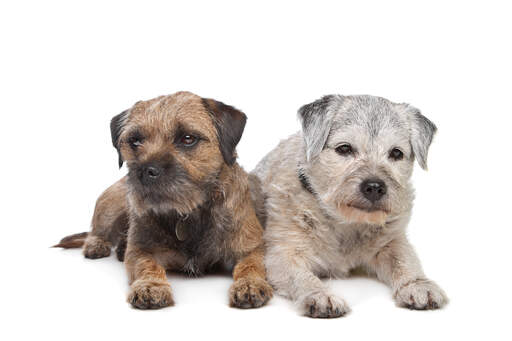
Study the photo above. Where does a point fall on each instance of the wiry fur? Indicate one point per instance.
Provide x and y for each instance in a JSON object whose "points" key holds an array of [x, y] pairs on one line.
{"points": [[195, 216], [109, 225], [318, 222]]}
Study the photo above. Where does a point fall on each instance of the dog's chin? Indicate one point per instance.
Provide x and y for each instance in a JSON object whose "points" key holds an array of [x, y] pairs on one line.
{"points": [[162, 203], [362, 215]]}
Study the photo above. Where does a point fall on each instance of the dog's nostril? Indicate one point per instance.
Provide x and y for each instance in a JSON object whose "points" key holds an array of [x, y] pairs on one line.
{"points": [[152, 172]]}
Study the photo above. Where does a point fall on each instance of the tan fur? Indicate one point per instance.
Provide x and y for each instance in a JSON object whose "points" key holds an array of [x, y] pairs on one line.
{"points": [[206, 181], [183, 108], [109, 222], [156, 118], [355, 215], [150, 288], [250, 288], [73, 241]]}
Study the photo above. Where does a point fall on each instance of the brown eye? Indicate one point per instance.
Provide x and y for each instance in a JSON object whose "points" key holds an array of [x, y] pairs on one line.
{"points": [[344, 149], [135, 141], [188, 140], [396, 154]]}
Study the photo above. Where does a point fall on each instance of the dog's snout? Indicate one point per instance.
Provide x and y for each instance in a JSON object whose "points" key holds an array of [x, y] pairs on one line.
{"points": [[373, 189], [151, 172]]}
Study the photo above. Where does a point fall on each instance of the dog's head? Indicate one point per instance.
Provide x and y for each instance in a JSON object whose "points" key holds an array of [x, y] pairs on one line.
{"points": [[360, 152], [175, 147]]}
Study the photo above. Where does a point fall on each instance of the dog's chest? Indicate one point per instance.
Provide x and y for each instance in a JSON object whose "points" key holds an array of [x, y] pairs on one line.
{"points": [[356, 238], [345, 246], [199, 237]]}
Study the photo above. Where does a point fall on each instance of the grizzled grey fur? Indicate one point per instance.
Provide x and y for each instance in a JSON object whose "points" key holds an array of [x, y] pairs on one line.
{"points": [[337, 196]]}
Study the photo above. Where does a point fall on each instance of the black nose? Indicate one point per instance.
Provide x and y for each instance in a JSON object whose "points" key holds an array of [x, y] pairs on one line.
{"points": [[152, 172], [373, 189]]}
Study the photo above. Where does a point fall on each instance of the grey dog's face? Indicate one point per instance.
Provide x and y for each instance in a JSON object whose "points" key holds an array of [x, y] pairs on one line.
{"points": [[360, 154]]}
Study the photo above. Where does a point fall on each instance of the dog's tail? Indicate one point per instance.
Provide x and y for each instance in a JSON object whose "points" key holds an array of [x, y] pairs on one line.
{"points": [[74, 241]]}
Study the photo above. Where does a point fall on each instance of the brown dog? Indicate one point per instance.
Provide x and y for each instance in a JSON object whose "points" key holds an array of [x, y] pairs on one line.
{"points": [[185, 203]]}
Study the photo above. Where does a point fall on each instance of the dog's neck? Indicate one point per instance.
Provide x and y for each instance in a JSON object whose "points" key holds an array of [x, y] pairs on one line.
{"points": [[228, 187]]}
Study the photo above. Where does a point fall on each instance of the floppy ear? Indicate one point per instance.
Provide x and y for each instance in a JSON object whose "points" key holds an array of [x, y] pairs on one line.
{"points": [[316, 121], [422, 133], [230, 124], [116, 128]]}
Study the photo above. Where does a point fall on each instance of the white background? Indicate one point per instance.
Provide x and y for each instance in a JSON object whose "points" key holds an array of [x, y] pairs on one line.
{"points": [[67, 68]]}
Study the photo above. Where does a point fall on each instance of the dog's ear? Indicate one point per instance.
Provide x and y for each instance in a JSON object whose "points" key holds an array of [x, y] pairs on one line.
{"points": [[230, 124], [422, 133], [116, 128], [316, 121]]}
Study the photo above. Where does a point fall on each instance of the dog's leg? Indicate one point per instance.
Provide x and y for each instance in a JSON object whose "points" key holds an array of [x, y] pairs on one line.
{"points": [[149, 286], [121, 249], [398, 265], [250, 288], [291, 276], [109, 222]]}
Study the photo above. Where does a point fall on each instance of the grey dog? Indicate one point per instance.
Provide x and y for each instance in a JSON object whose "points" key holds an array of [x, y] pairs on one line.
{"points": [[337, 196]]}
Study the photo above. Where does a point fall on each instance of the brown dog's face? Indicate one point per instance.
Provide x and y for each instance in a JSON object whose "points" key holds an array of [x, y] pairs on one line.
{"points": [[175, 147]]}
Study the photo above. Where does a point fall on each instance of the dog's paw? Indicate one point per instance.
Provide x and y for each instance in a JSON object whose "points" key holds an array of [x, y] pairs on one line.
{"points": [[322, 305], [249, 293], [95, 247], [150, 295], [421, 294]]}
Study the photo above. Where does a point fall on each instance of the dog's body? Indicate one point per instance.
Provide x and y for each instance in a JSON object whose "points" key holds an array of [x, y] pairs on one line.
{"points": [[185, 199], [319, 220]]}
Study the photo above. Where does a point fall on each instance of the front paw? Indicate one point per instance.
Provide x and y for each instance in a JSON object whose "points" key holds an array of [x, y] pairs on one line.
{"points": [[249, 293], [322, 305], [146, 294], [420, 294]]}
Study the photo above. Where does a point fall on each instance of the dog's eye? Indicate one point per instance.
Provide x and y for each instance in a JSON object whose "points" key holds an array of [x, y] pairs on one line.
{"points": [[135, 141], [188, 140], [396, 154], [344, 149]]}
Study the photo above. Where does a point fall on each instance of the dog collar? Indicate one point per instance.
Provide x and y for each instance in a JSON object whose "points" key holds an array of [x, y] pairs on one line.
{"points": [[304, 180]]}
